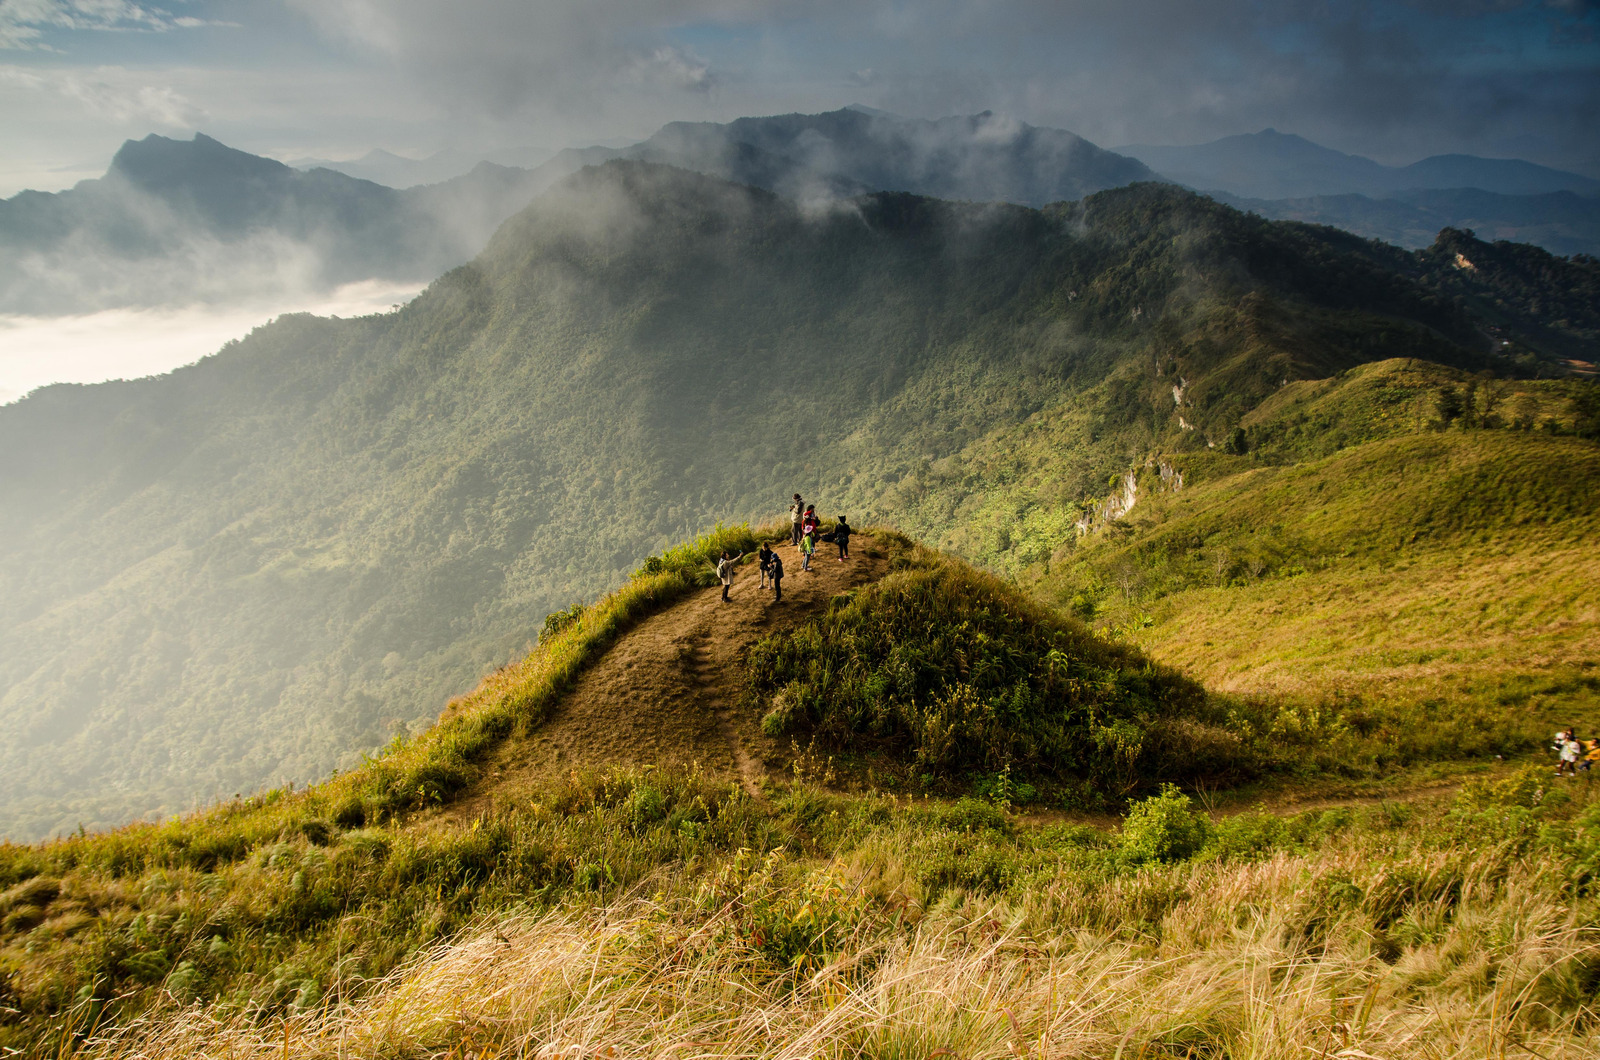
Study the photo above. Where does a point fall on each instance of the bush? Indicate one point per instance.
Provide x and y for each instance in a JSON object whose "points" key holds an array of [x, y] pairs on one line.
{"points": [[557, 621], [1164, 828], [963, 676]]}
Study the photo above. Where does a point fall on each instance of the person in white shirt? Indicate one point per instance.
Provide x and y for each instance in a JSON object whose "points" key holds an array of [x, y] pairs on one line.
{"points": [[725, 571]]}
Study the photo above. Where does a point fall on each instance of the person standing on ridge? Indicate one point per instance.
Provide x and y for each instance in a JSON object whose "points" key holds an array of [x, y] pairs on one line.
{"points": [[808, 546], [777, 577], [765, 556], [809, 522], [797, 512], [841, 537], [1569, 756], [725, 571]]}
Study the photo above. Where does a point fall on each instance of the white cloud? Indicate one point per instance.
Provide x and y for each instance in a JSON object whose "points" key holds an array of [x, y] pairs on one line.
{"points": [[158, 104], [112, 94], [23, 23], [130, 343], [672, 68]]}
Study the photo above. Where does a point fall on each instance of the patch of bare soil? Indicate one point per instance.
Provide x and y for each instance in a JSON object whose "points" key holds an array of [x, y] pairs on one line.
{"points": [[668, 691]]}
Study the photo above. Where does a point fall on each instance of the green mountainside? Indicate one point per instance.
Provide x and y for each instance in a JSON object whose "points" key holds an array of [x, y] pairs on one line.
{"points": [[262, 566]]}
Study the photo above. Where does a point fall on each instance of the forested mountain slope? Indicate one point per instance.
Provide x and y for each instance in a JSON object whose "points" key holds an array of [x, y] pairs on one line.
{"points": [[259, 566]]}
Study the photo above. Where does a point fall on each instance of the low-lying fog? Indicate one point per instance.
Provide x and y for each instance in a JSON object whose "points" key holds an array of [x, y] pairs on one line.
{"points": [[129, 343]]}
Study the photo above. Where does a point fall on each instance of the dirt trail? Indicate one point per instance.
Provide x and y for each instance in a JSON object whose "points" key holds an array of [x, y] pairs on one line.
{"points": [[668, 691]]}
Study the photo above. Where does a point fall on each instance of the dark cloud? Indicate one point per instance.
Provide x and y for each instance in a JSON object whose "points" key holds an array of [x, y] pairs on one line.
{"points": [[1387, 78]]}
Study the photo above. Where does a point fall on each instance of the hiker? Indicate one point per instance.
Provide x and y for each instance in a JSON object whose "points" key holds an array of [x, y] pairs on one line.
{"points": [[777, 577], [809, 523], [1591, 754], [797, 512], [765, 556], [808, 545], [1569, 757], [725, 571], [841, 537], [1559, 745]]}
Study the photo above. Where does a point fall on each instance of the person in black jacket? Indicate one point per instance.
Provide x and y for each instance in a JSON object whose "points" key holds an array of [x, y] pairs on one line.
{"points": [[841, 537], [777, 577], [764, 557]]}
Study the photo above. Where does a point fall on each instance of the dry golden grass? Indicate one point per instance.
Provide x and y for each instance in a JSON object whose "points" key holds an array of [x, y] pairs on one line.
{"points": [[1231, 960], [1419, 627]]}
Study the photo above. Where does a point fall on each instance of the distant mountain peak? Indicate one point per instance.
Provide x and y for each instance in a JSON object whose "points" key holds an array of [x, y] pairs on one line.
{"points": [[158, 161], [1276, 165]]}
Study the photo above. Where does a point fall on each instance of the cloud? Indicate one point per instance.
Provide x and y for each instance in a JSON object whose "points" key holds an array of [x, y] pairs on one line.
{"points": [[155, 104], [130, 343], [556, 63], [673, 69], [1366, 75], [24, 23], [112, 94]]}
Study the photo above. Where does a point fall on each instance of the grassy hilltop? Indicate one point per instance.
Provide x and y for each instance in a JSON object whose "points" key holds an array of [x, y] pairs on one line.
{"points": [[258, 568], [437, 901]]}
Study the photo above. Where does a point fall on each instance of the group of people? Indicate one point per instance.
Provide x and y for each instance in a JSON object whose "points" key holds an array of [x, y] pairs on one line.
{"points": [[1573, 754], [805, 535]]}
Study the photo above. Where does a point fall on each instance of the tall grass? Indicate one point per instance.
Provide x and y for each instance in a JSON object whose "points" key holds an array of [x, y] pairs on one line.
{"points": [[1446, 937]]}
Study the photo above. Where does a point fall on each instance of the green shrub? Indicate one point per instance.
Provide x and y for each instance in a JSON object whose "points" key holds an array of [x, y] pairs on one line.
{"points": [[1248, 836], [971, 815], [963, 676], [557, 621], [1165, 827]]}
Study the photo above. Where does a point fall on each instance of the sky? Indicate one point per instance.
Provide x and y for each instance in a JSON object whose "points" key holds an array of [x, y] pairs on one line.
{"points": [[335, 79]]}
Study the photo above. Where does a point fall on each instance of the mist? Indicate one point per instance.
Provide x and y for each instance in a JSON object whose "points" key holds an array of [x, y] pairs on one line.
{"points": [[130, 343]]}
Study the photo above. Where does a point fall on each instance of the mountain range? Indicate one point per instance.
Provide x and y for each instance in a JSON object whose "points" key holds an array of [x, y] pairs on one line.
{"points": [[1289, 178], [259, 567], [1274, 165], [183, 222], [399, 171], [983, 157]]}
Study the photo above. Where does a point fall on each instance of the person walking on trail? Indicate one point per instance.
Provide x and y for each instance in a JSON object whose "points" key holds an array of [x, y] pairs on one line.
{"points": [[797, 512], [808, 545], [765, 556], [1563, 738], [1569, 756], [725, 571], [777, 577], [841, 537]]}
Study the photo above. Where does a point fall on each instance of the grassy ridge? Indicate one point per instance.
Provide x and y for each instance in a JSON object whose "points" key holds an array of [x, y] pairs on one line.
{"points": [[887, 928], [253, 903], [299, 917], [1435, 589]]}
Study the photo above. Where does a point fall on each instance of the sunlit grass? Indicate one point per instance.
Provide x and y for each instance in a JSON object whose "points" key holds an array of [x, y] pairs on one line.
{"points": [[1438, 937]]}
